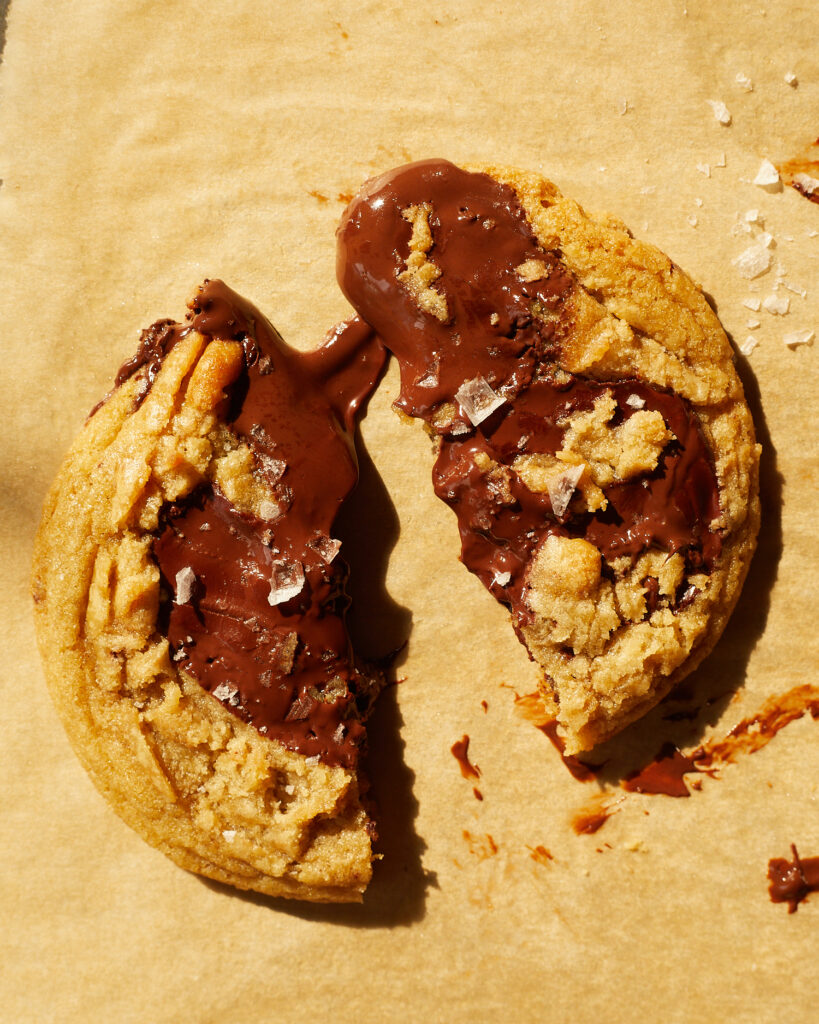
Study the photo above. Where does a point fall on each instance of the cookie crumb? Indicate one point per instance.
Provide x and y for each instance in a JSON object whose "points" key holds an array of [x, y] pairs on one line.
{"points": [[478, 400], [269, 510]]}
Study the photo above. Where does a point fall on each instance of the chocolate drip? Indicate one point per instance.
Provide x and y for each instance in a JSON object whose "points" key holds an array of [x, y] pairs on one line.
{"points": [[286, 668], [792, 881], [508, 332]]}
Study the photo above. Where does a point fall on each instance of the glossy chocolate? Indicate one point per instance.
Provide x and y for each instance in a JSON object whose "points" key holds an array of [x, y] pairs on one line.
{"points": [[286, 668], [792, 881], [508, 332]]}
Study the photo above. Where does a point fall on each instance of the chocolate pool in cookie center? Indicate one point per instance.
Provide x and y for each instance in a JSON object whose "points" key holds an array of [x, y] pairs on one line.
{"points": [[258, 604], [446, 268]]}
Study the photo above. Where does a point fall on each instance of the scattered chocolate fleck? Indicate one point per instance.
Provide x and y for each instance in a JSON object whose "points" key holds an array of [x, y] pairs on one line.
{"points": [[460, 751]]}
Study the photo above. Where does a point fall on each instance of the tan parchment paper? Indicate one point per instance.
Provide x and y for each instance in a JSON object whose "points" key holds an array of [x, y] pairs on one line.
{"points": [[148, 145]]}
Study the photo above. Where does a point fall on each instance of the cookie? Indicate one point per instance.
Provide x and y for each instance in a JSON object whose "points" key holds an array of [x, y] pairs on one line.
{"points": [[590, 431], [190, 601]]}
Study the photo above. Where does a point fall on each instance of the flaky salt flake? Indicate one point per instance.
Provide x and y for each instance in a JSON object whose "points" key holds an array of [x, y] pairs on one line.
{"points": [[753, 303], [205, 526], [340, 732], [766, 175], [563, 487], [752, 323], [623, 107], [226, 692], [312, 761], [791, 79], [185, 582], [229, 834], [269, 510], [692, 219], [286, 582], [744, 82], [796, 290], [501, 579], [179, 655], [721, 112], [777, 305], [753, 261], [273, 468], [765, 238], [752, 216], [325, 547], [478, 400], [747, 347], [697, 201], [721, 161], [648, 190], [805, 183], [796, 338], [635, 402], [704, 169], [494, 319]]}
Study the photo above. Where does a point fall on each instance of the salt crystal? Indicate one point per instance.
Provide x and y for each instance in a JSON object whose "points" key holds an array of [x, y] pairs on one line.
{"points": [[205, 526], [798, 338], [286, 582], [185, 582], [776, 305], [635, 402], [791, 79], [647, 190], [752, 216], [753, 261], [721, 112], [796, 291], [179, 655], [752, 303], [478, 400], [721, 161], [704, 169], [501, 578], [697, 201], [744, 82], [226, 692], [325, 547], [806, 183], [273, 468], [458, 428], [747, 347], [429, 379], [766, 175], [563, 487], [314, 760], [494, 319], [229, 834], [269, 510], [692, 219], [765, 238], [338, 735], [623, 107]]}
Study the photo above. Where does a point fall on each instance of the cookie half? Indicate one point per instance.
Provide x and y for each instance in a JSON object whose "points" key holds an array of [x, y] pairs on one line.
{"points": [[190, 601], [591, 433]]}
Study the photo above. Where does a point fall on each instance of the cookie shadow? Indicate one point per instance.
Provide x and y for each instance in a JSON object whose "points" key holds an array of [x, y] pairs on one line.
{"points": [[368, 528], [699, 701]]}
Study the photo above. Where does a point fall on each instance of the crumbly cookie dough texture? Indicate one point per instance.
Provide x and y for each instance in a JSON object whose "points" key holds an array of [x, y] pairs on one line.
{"points": [[191, 778], [607, 657]]}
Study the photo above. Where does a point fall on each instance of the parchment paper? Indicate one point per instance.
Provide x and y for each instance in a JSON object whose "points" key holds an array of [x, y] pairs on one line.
{"points": [[149, 145]]}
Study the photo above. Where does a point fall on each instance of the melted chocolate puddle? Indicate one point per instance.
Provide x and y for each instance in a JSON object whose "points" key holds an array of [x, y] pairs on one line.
{"points": [[263, 629], [506, 332], [792, 881]]}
